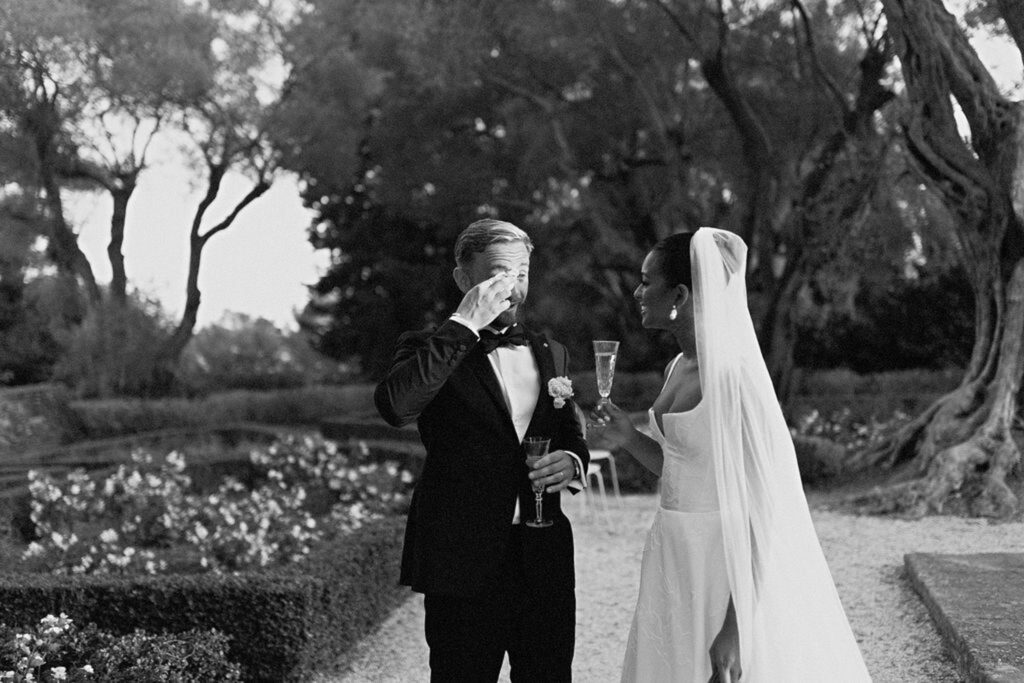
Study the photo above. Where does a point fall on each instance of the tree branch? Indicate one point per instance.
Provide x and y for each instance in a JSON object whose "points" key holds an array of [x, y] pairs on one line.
{"points": [[260, 187], [812, 51], [1012, 12], [676, 21]]}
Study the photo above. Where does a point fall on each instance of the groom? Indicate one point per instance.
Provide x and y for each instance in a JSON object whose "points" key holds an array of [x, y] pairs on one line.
{"points": [[476, 386]]}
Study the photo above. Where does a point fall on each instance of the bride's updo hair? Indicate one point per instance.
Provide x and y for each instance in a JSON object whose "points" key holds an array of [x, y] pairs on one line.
{"points": [[674, 259]]}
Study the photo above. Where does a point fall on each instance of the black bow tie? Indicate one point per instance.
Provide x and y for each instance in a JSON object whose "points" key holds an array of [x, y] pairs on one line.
{"points": [[514, 336]]}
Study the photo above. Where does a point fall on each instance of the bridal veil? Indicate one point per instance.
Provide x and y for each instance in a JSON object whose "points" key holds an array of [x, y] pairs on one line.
{"points": [[791, 623]]}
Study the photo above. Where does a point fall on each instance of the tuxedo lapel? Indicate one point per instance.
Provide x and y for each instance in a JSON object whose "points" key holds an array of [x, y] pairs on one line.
{"points": [[546, 369], [489, 382]]}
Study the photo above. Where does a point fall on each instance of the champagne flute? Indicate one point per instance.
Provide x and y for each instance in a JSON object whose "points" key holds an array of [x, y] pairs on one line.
{"points": [[536, 447], [605, 353]]}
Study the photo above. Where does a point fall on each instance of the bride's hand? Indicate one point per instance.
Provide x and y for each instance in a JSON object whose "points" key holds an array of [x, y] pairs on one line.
{"points": [[725, 651], [613, 423]]}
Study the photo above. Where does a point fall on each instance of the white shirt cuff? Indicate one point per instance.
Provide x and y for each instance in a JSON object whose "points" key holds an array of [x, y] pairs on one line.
{"points": [[579, 483], [455, 317]]}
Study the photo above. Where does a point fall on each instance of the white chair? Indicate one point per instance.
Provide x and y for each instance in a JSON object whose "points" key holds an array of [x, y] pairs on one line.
{"points": [[595, 472]]}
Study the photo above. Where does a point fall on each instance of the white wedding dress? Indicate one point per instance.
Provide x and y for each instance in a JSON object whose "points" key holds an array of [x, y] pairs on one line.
{"points": [[684, 588], [733, 521]]}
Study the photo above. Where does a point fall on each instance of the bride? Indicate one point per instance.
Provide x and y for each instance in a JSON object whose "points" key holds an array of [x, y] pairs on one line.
{"points": [[733, 582]]}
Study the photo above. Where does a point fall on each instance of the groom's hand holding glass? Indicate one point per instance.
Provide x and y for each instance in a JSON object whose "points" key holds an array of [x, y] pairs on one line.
{"points": [[554, 471]]}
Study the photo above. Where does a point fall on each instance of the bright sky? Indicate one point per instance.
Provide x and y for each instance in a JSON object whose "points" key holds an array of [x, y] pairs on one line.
{"points": [[258, 266]]}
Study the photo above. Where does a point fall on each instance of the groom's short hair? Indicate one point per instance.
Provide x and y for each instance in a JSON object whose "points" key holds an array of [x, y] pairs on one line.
{"points": [[483, 233]]}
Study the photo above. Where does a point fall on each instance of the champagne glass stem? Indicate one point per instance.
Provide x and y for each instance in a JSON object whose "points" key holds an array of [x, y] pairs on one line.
{"points": [[539, 498]]}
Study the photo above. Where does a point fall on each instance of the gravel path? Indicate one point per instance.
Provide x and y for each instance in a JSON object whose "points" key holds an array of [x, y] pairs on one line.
{"points": [[895, 633]]}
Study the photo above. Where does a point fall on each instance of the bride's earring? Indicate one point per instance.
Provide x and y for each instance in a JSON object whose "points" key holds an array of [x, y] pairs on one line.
{"points": [[673, 314]]}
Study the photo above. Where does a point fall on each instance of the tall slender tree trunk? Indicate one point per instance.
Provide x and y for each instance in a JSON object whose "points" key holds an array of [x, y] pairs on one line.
{"points": [[963, 444], [778, 333], [170, 353], [41, 124], [115, 254], [762, 165], [179, 339]]}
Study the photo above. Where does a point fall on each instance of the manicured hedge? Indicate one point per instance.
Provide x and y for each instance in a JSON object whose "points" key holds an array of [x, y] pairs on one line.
{"points": [[873, 396], [359, 588], [265, 616], [876, 394], [843, 382], [284, 625], [305, 406], [859, 407], [830, 392], [36, 416], [373, 428]]}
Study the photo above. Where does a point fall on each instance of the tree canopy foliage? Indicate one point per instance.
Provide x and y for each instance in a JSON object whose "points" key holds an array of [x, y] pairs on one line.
{"points": [[600, 127], [862, 150]]}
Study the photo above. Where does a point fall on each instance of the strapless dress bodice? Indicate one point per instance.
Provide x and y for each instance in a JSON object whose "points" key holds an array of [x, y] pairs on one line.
{"points": [[687, 476]]}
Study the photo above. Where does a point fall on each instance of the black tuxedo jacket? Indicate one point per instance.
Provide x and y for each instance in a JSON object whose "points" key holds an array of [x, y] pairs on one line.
{"points": [[461, 512]]}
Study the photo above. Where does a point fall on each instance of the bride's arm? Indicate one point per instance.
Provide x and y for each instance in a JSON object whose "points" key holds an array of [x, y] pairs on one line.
{"points": [[617, 429], [646, 450]]}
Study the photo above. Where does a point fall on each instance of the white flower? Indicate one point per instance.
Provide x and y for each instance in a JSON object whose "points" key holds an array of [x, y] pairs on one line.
{"points": [[560, 389], [34, 548], [59, 673], [176, 460]]}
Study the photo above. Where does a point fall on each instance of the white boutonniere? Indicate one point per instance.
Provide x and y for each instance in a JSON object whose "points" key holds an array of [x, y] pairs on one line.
{"points": [[560, 389]]}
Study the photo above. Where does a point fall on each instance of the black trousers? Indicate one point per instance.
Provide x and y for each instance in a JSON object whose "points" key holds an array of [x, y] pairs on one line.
{"points": [[535, 624]]}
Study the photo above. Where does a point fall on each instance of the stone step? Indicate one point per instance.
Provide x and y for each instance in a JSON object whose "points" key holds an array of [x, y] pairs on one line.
{"points": [[977, 604]]}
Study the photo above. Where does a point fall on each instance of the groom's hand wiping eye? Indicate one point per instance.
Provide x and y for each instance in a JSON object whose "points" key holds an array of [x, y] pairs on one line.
{"points": [[486, 300]]}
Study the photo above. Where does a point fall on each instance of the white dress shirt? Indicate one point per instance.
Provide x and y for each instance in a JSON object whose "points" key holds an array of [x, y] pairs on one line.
{"points": [[519, 378]]}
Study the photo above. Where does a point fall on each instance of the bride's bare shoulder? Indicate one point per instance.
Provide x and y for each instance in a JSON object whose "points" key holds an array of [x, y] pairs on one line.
{"points": [[671, 365]]}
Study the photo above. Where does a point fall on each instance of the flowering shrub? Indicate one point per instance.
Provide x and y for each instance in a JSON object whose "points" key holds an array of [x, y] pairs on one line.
{"points": [[57, 650], [358, 492], [149, 504], [32, 655], [236, 528], [146, 507], [840, 427]]}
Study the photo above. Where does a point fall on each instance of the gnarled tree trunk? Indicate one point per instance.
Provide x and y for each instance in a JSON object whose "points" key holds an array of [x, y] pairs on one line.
{"points": [[963, 444]]}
